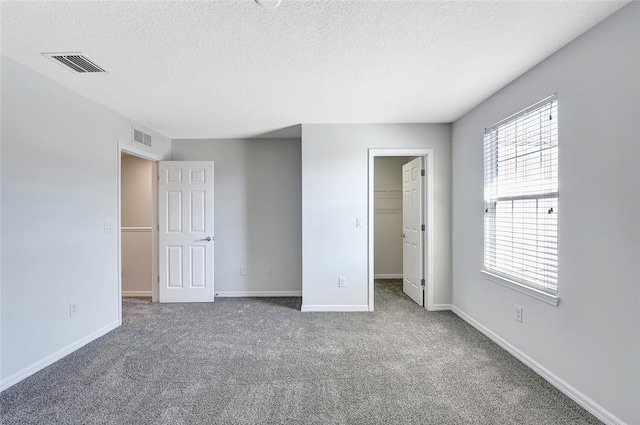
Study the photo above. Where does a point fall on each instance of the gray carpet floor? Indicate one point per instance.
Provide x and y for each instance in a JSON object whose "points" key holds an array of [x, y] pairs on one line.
{"points": [[262, 361]]}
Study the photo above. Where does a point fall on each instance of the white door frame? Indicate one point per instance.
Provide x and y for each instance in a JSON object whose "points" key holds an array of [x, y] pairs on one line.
{"points": [[428, 211], [141, 153]]}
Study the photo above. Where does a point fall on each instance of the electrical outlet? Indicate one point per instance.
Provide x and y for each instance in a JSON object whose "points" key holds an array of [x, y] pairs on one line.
{"points": [[342, 281], [243, 271], [518, 311], [73, 309], [269, 271]]}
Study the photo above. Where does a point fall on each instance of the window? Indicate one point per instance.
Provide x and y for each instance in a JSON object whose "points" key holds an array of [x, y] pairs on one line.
{"points": [[521, 200]]}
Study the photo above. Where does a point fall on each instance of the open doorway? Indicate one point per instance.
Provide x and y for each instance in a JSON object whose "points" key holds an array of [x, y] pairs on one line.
{"points": [[136, 221], [401, 223], [387, 226]]}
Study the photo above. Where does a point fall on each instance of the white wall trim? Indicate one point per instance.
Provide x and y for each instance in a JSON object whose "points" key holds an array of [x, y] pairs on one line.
{"points": [[139, 152], [155, 271], [388, 276], [119, 224], [523, 289], [228, 294], [429, 242], [591, 406], [54, 357], [440, 307], [330, 308], [139, 294]]}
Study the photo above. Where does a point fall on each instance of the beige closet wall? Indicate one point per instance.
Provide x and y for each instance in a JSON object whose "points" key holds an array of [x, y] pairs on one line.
{"points": [[136, 219], [388, 216]]}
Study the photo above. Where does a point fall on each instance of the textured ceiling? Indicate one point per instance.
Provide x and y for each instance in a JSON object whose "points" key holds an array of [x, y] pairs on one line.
{"points": [[222, 69]]}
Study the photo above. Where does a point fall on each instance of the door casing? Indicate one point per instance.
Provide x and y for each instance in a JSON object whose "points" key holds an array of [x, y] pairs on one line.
{"points": [[141, 153], [428, 219]]}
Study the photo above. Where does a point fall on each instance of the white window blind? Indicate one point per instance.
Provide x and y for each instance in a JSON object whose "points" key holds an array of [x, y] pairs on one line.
{"points": [[521, 197]]}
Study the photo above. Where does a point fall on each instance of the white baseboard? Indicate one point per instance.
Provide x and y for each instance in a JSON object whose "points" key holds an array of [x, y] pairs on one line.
{"points": [[440, 307], [224, 294], [363, 307], [139, 294], [591, 406], [387, 276], [54, 357]]}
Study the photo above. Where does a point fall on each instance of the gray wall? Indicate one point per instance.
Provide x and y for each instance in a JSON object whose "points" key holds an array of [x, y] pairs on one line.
{"points": [[335, 192], [388, 215], [591, 340], [257, 212], [59, 183]]}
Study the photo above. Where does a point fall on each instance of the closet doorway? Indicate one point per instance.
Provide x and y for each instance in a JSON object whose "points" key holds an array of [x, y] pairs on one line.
{"points": [[137, 236], [388, 217], [401, 223], [398, 231]]}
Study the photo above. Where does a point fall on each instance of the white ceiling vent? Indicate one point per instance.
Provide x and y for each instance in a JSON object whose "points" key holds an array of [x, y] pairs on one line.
{"points": [[141, 137], [77, 62]]}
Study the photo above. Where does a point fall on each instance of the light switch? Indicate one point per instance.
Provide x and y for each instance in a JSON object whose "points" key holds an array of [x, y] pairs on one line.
{"points": [[358, 222], [108, 226]]}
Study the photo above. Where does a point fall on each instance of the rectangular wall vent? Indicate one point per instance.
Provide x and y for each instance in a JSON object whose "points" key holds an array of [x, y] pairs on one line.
{"points": [[76, 62], [141, 137]]}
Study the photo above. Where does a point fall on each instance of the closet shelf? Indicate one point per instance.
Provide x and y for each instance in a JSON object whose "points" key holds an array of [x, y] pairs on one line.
{"points": [[135, 229], [387, 190]]}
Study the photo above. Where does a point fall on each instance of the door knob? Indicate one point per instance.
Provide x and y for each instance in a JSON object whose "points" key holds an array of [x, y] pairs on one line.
{"points": [[402, 235], [208, 239]]}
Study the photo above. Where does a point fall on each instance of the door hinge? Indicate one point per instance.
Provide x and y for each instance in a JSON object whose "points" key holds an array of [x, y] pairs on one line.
{"points": [[422, 174], [159, 176], [423, 229], [158, 278], [422, 283]]}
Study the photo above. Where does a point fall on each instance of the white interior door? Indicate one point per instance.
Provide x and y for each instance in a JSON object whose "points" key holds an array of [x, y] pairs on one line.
{"points": [[185, 239], [412, 205]]}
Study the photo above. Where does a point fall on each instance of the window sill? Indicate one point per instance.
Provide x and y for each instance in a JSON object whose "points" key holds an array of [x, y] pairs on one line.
{"points": [[523, 289]]}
